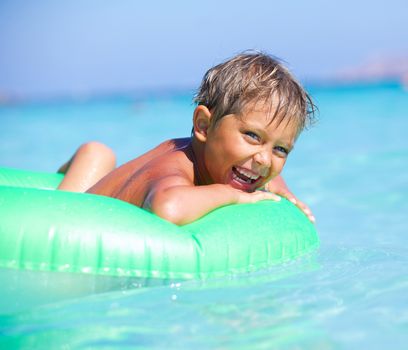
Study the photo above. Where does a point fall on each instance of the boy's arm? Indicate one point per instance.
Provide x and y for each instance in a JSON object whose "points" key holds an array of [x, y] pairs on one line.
{"points": [[278, 185], [176, 199]]}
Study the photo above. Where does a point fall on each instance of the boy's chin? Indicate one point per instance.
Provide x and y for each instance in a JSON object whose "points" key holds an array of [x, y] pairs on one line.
{"points": [[243, 186]]}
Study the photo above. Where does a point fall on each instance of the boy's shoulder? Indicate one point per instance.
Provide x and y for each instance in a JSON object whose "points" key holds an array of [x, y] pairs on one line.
{"points": [[132, 178], [167, 150], [171, 151]]}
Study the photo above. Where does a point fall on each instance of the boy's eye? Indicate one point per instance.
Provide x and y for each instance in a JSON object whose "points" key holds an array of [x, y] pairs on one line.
{"points": [[252, 135], [281, 151]]}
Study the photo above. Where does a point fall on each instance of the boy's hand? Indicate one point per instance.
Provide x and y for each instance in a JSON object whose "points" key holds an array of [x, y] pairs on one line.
{"points": [[253, 197], [278, 186]]}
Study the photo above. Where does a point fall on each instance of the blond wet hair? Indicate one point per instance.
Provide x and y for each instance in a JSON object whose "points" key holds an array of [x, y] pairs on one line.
{"points": [[252, 78]]}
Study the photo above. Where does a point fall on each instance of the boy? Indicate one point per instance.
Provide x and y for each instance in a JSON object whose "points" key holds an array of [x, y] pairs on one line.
{"points": [[250, 111]]}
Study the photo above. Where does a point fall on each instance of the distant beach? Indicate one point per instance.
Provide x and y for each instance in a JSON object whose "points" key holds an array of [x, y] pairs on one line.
{"points": [[393, 68]]}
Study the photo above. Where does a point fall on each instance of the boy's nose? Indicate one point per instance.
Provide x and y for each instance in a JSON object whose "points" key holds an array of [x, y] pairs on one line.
{"points": [[263, 161]]}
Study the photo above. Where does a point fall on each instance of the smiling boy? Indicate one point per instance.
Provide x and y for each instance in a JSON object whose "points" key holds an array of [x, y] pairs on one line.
{"points": [[250, 111]]}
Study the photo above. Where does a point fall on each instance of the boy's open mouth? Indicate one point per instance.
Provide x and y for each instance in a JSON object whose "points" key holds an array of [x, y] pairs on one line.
{"points": [[243, 175]]}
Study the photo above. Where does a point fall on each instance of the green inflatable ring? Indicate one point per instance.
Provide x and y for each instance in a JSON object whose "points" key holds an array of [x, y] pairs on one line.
{"points": [[46, 230]]}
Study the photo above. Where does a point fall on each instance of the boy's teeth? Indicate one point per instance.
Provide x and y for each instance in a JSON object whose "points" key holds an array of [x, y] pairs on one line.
{"points": [[247, 174], [238, 178], [243, 175]]}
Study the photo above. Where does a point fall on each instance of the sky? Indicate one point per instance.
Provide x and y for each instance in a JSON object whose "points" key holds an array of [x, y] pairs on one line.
{"points": [[69, 48]]}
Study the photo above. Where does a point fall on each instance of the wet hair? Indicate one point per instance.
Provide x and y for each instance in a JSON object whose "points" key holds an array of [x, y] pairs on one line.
{"points": [[251, 79]]}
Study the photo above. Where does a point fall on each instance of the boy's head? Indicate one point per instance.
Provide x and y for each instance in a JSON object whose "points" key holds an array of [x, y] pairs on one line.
{"points": [[253, 79]]}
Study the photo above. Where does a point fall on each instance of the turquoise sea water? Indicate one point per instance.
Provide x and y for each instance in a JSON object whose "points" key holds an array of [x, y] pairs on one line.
{"points": [[351, 168]]}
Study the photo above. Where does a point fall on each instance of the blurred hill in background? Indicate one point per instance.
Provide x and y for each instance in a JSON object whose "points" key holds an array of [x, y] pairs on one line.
{"points": [[385, 68]]}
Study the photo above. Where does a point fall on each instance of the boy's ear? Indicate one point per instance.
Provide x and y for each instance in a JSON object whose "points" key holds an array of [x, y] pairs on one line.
{"points": [[201, 122]]}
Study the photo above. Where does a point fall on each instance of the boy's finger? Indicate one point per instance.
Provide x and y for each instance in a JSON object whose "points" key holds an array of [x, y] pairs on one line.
{"points": [[266, 194], [273, 196], [285, 194], [292, 199], [289, 196], [302, 206]]}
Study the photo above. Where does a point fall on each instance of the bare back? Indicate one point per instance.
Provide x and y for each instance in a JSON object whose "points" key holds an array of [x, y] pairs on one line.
{"points": [[131, 181]]}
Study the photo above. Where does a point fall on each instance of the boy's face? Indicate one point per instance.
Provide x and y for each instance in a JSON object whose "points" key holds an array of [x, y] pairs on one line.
{"points": [[247, 151]]}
